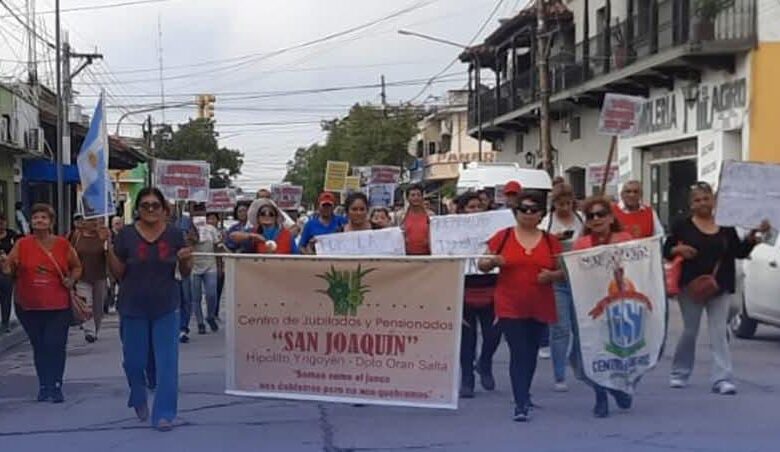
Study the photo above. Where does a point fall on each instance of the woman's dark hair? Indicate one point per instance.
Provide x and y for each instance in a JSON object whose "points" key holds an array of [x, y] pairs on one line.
{"points": [[464, 200], [354, 196], [604, 202], [534, 196], [150, 191], [213, 214], [701, 187], [417, 187], [382, 209], [45, 208], [238, 206]]}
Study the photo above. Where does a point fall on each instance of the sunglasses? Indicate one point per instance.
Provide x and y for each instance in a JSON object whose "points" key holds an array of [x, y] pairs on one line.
{"points": [[702, 186], [267, 214], [528, 209], [596, 214], [151, 206]]}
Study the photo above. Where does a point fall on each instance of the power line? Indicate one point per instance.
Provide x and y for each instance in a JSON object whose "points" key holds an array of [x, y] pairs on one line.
{"points": [[25, 25], [96, 7]]}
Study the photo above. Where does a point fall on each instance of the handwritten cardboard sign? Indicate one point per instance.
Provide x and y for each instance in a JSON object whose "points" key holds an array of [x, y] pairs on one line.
{"points": [[381, 242]]}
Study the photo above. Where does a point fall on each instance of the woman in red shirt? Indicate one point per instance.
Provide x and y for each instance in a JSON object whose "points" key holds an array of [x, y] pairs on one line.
{"points": [[46, 268], [601, 228], [524, 299], [268, 235]]}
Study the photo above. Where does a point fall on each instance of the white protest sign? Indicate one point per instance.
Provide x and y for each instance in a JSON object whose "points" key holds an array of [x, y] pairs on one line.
{"points": [[467, 234], [221, 200], [381, 195], [183, 180], [620, 310], [381, 242], [620, 115], [748, 193], [287, 197]]}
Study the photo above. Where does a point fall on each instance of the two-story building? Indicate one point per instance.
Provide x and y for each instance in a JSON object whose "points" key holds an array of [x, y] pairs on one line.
{"points": [[704, 66]]}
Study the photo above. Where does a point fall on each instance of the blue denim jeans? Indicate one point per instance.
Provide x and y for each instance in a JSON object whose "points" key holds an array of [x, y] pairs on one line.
{"points": [[204, 284], [560, 332], [136, 336], [185, 303]]}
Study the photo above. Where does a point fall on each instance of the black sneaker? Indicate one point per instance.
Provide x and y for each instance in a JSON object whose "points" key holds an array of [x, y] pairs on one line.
{"points": [[521, 415], [91, 338], [601, 409], [486, 379], [466, 392], [201, 329], [213, 325], [184, 338], [44, 394], [56, 394], [622, 399]]}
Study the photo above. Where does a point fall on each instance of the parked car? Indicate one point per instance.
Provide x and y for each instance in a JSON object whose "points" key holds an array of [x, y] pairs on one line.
{"points": [[760, 297]]}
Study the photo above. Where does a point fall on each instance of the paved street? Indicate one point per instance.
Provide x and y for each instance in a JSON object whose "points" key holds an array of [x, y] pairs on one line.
{"points": [[94, 417]]}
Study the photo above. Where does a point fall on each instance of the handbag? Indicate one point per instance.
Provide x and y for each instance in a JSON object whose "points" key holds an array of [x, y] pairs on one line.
{"points": [[673, 272], [704, 288], [78, 304]]}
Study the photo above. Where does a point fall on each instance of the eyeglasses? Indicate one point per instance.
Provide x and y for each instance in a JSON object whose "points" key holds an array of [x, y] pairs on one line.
{"points": [[528, 209], [151, 206], [596, 214], [267, 214]]}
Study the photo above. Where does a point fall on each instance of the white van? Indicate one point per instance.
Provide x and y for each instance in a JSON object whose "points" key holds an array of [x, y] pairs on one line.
{"points": [[490, 176]]}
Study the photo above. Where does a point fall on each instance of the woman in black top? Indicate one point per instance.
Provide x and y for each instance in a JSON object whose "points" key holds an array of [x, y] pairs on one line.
{"points": [[706, 249], [7, 239]]}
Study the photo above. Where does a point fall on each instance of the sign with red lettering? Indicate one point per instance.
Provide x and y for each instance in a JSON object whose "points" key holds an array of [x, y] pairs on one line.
{"points": [[183, 180], [287, 197], [620, 115], [383, 174], [340, 333], [221, 200]]}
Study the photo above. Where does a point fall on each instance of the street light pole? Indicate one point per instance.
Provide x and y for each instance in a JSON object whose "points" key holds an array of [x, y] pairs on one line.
{"points": [[61, 221], [478, 82], [542, 55]]}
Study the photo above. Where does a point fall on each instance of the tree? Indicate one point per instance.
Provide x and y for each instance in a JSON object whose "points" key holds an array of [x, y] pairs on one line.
{"points": [[368, 135], [197, 140]]}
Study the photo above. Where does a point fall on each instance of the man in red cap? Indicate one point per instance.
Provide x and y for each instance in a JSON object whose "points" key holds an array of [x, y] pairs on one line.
{"points": [[512, 190], [325, 222]]}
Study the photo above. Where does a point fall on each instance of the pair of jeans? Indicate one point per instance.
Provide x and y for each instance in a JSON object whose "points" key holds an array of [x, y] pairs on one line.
{"points": [[6, 291], [95, 294], [48, 333], [717, 318], [185, 303], [162, 333], [491, 338], [523, 337], [204, 284], [561, 331]]}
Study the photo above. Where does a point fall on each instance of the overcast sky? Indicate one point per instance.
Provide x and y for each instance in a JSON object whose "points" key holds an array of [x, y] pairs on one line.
{"points": [[227, 47]]}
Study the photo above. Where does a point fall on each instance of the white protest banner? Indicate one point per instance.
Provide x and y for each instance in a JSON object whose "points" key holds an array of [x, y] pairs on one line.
{"points": [[621, 310], [287, 197], [620, 115], [467, 234], [381, 195], [380, 242], [221, 200], [384, 174], [748, 193], [183, 180], [339, 333]]}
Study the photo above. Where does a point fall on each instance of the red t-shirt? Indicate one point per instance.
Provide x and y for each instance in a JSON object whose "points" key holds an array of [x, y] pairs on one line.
{"points": [[417, 232], [586, 241], [39, 284], [284, 244], [518, 293], [639, 223]]}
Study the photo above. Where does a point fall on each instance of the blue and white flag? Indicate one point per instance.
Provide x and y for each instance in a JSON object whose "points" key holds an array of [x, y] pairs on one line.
{"points": [[96, 187]]}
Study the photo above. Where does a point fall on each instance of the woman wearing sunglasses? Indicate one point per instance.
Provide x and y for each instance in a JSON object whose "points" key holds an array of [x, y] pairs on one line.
{"points": [[524, 299], [707, 250], [601, 228], [144, 260], [267, 234]]}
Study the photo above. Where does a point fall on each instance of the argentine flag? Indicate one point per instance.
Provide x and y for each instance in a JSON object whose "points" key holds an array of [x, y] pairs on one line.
{"points": [[93, 168]]}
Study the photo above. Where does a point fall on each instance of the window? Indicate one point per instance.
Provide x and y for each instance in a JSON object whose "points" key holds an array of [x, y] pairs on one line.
{"points": [[420, 149], [574, 128], [446, 143], [643, 18], [431, 148], [577, 181], [519, 143], [601, 25]]}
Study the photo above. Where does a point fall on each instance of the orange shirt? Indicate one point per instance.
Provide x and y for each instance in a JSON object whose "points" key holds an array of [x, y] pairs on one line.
{"points": [[39, 284], [417, 228], [519, 295]]}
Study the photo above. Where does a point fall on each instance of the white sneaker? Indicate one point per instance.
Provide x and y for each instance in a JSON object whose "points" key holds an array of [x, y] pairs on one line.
{"points": [[561, 386], [724, 388], [544, 353], [677, 383]]}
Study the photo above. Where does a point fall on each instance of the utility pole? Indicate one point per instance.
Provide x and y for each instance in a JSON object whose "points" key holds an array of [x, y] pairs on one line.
{"points": [[542, 64], [160, 56], [32, 57], [384, 93], [60, 170]]}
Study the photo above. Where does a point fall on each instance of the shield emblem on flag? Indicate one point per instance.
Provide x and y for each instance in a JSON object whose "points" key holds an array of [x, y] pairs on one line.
{"points": [[626, 319]]}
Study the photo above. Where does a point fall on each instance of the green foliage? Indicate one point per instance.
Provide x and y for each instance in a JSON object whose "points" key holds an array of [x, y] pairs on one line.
{"points": [[368, 135], [197, 140], [345, 289]]}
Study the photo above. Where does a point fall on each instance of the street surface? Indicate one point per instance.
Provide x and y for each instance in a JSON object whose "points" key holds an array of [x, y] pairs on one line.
{"points": [[95, 418]]}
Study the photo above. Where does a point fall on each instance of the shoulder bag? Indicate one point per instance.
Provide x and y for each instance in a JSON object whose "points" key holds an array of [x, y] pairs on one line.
{"points": [[78, 305], [705, 287]]}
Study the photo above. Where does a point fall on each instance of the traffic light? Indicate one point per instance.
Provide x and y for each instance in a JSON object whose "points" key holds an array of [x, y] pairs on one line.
{"points": [[205, 104]]}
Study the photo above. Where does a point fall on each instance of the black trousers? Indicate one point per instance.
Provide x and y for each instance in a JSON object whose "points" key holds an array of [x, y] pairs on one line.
{"points": [[482, 318], [523, 337], [220, 286], [48, 333], [6, 291]]}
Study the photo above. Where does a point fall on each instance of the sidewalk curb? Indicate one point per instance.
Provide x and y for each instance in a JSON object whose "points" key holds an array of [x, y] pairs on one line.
{"points": [[12, 339]]}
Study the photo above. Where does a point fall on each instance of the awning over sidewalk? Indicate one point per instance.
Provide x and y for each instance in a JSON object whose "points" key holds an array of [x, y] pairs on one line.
{"points": [[36, 170]]}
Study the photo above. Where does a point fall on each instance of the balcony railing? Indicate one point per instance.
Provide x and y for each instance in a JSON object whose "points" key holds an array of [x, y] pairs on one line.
{"points": [[674, 24]]}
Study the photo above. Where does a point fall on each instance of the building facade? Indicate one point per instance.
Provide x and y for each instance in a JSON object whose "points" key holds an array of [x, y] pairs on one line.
{"points": [[700, 65]]}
